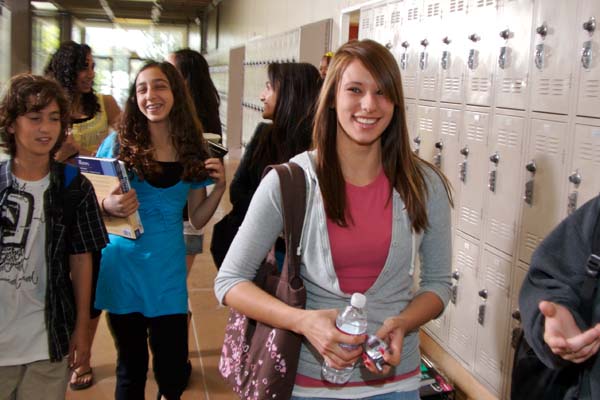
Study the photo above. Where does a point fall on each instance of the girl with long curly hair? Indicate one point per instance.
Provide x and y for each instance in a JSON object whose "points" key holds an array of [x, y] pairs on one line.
{"points": [[142, 282]]}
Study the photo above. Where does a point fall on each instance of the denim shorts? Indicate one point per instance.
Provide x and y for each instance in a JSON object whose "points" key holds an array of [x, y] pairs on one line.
{"points": [[412, 395]]}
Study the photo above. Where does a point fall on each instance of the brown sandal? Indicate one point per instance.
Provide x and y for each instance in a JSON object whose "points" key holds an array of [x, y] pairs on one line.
{"points": [[85, 384]]}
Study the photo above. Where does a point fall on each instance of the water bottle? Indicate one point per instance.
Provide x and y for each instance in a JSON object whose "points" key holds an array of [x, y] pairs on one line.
{"points": [[351, 321]]}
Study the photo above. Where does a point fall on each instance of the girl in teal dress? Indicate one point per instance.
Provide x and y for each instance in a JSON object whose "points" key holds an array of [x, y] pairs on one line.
{"points": [[142, 282]]}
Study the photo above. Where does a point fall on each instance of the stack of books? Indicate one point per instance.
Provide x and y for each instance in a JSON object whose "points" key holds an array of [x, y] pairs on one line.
{"points": [[434, 385]]}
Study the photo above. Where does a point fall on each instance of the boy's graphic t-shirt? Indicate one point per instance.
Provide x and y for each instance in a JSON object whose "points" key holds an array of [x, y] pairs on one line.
{"points": [[23, 274]]}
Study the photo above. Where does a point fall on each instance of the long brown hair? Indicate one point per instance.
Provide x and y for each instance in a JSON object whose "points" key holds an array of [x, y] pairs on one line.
{"points": [[135, 146], [404, 170]]}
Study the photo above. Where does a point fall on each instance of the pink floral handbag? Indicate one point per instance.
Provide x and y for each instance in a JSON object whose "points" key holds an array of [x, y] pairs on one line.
{"points": [[257, 360]]}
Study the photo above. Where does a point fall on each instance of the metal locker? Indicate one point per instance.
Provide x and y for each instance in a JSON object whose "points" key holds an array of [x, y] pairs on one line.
{"points": [[365, 25], [503, 200], [513, 38], [553, 55], [427, 132], [542, 189], [492, 322], [583, 180], [429, 50], [381, 32], [461, 335], [411, 122], [408, 52], [395, 18], [588, 40], [438, 328], [453, 36], [447, 155], [472, 172], [480, 51]]}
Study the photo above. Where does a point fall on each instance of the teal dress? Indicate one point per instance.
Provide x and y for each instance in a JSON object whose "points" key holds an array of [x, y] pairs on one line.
{"points": [[148, 274]]}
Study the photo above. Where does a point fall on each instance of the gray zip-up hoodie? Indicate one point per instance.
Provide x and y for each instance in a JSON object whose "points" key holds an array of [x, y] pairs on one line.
{"points": [[391, 292]]}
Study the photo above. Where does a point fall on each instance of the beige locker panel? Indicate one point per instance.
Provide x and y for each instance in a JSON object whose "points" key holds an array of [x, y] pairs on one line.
{"points": [[429, 50], [365, 24], [411, 122], [542, 190], [472, 172], [553, 55], [584, 179], [503, 195], [480, 51], [461, 337], [381, 29], [438, 328], [453, 51], [513, 35], [447, 152], [427, 128], [492, 323], [408, 47], [588, 40]]}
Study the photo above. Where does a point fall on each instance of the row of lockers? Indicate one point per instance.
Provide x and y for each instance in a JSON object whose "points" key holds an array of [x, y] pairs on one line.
{"points": [[515, 54]]}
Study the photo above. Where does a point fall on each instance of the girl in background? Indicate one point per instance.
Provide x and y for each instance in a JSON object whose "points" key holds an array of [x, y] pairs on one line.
{"points": [[142, 282]]}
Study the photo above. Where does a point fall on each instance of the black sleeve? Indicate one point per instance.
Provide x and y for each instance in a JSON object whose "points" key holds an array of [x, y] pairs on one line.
{"points": [[88, 232]]}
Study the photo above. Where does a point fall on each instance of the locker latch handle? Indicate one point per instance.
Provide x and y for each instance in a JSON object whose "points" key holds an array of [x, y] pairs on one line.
{"points": [[506, 34], [542, 30], [417, 140], [495, 158], [446, 40], [465, 151], [389, 45], [531, 167], [473, 37], [503, 57], [586, 54], [483, 293], [439, 145], [405, 44], [425, 42], [575, 178], [590, 25], [516, 315]]}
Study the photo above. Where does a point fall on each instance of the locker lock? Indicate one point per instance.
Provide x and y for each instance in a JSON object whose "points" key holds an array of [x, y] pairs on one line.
{"points": [[495, 158], [446, 40], [465, 151], [456, 275], [389, 45], [506, 34], [483, 293], [542, 30], [425, 42], [516, 315], [417, 139], [575, 178], [590, 25], [531, 167], [439, 145], [474, 37], [405, 44]]}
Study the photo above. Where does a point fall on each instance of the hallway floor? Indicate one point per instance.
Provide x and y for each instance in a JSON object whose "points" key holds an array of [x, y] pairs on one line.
{"points": [[206, 332]]}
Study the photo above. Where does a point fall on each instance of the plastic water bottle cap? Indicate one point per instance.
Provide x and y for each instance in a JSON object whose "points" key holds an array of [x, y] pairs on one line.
{"points": [[358, 300]]}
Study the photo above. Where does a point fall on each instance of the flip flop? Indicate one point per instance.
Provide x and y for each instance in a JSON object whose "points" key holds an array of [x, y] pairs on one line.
{"points": [[82, 385]]}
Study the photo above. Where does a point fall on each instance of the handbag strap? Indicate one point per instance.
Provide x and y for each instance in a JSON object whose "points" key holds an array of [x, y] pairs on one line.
{"points": [[293, 195], [592, 270]]}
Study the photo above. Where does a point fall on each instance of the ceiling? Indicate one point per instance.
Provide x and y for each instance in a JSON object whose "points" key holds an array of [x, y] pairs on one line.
{"points": [[172, 11]]}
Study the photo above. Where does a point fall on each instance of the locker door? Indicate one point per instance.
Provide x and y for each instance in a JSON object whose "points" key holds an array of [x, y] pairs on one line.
{"points": [[365, 26], [588, 100], [513, 35], [427, 128], [447, 152], [584, 180], [453, 50], [381, 24], [395, 15], [464, 300], [409, 43], [429, 50], [481, 34], [542, 207], [552, 58], [438, 328], [492, 323], [411, 122], [473, 152], [503, 195]]}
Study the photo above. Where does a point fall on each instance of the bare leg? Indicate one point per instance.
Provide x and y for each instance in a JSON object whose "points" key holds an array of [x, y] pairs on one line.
{"points": [[83, 374]]}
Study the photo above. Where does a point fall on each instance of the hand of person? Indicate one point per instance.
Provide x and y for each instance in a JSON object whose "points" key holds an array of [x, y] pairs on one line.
{"points": [[68, 149], [79, 347], [564, 337], [392, 332], [318, 326], [216, 170], [120, 204]]}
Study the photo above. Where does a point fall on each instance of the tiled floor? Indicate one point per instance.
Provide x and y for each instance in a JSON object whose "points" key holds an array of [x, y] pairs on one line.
{"points": [[206, 333]]}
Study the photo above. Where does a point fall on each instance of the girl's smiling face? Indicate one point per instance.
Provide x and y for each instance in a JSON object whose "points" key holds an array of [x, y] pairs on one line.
{"points": [[154, 95]]}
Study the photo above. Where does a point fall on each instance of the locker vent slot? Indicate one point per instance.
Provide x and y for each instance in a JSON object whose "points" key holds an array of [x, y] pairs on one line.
{"points": [[459, 338], [552, 87], [486, 3], [475, 133], [496, 277], [413, 14], [451, 84], [470, 216], [457, 5], [513, 86], [449, 128], [379, 20], [433, 10], [490, 362], [500, 229], [409, 81], [507, 138], [429, 82], [589, 151], [591, 89], [425, 124], [546, 144], [532, 241], [395, 17], [463, 259], [365, 23], [480, 84]]}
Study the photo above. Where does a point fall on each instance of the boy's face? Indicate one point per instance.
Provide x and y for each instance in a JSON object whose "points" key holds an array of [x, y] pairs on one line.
{"points": [[36, 132]]}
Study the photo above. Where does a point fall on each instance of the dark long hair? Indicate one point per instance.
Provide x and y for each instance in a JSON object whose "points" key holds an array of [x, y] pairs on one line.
{"points": [[64, 66], [135, 145], [194, 69], [297, 86], [30, 93], [403, 168]]}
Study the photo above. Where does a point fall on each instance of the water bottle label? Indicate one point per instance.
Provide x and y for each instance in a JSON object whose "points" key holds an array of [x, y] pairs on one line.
{"points": [[349, 330]]}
